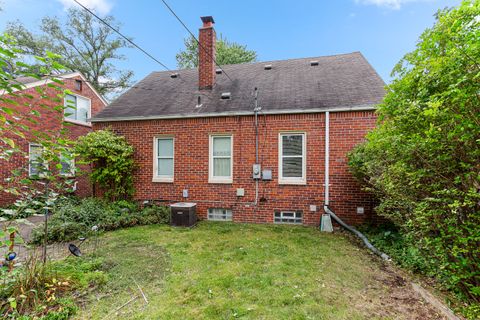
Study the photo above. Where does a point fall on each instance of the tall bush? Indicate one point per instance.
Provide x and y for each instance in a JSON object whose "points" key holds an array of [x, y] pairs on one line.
{"points": [[111, 160], [423, 159]]}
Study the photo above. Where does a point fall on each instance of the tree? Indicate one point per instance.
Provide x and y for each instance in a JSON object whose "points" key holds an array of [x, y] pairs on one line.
{"points": [[85, 45], [111, 160], [227, 53], [423, 159]]}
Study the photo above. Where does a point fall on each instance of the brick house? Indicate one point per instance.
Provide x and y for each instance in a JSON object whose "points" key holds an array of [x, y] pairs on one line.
{"points": [[197, 134], [88, 103]]}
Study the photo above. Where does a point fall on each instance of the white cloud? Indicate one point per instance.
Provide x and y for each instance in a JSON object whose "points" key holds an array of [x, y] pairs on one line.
{"points": [[100, 6], [392, 4]]}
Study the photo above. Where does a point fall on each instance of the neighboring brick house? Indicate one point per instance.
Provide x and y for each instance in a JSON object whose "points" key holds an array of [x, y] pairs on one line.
{"points": [[194, 135], [88, 103]]}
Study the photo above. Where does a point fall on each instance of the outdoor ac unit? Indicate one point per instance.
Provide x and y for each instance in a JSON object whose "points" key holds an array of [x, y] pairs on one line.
{"points": [[184, 214]]}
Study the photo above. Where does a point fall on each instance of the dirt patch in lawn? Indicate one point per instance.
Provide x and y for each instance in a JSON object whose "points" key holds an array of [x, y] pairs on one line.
{"points": [[390, 294]]}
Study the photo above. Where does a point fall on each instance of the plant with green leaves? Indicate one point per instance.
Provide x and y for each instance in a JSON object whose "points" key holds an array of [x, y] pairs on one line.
{"points": [[226, 53], [85, 44], [111, 160], [423, 159]]}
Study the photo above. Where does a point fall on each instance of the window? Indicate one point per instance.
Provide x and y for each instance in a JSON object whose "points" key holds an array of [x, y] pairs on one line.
{"points": [[77, 108], [220, 162], [78, 85], [163, 165], [220, 214], [291, 160], [35, 163], [68, 166], [294, 217]]}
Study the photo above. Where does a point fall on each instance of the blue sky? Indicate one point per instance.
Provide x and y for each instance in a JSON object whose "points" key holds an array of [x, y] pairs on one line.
{"points": [[383, 30]]}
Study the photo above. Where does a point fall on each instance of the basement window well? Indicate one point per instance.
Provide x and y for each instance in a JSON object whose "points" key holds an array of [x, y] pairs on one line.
{"points": [[219, 214], [288, 217]]}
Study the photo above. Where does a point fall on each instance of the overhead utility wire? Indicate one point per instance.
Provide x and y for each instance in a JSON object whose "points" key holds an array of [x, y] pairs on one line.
{"points": [[193, 36], [124, 37]]}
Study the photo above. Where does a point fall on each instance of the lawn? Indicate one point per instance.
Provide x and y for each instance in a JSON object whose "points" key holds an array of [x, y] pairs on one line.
{"points": [[227, 271]]}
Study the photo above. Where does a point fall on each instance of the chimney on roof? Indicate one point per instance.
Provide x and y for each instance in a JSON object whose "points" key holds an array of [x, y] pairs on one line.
{"points": [[206, 54]]}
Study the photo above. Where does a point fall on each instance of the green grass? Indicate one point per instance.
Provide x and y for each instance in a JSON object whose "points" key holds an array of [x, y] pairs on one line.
{"points": [[227, 271]]}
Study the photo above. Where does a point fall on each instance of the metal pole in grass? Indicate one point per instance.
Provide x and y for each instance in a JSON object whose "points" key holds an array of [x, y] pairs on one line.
{"points": [[46, 225]]}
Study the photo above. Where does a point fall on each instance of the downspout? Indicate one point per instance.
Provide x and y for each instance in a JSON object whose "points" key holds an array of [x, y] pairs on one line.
{"points": [[326, 207]]}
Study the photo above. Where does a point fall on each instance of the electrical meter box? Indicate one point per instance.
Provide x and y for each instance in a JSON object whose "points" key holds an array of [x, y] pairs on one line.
{"points": [[257, 171]]}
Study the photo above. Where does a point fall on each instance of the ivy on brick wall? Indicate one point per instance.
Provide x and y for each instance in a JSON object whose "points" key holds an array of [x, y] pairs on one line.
{"points": [[423, 160], [111, 160]]}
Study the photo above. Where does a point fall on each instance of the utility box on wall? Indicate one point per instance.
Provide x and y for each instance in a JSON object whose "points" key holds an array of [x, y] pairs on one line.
{"points": [[183, 214]]}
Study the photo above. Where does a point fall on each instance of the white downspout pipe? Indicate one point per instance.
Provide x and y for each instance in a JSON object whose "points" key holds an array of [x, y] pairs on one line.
{"points": [[327, 159], [326, 207]]}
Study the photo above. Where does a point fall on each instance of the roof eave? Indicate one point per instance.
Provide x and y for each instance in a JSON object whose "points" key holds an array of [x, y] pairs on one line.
{"points": [[364, 107]]}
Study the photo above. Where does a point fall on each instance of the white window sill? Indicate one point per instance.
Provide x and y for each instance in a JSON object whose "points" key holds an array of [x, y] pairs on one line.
{"points": [[162, 180], [293, 182], [220, 181], [85, 124]]}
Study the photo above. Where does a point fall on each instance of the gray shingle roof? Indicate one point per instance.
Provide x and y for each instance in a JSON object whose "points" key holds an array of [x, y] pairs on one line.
{"points": [[339, 81]]}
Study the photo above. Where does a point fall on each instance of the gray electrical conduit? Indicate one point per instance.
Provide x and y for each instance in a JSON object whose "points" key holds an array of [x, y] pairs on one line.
{"points": [[356, 232]]}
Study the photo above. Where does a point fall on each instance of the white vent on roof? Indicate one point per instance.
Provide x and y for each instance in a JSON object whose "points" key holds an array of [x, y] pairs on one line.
{"points": [[174, 75], [226, 96], [218, 71], [268, 67], [314, 63], [199, 102]]}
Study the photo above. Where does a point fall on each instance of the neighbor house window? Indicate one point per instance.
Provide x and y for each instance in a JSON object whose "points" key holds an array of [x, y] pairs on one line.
{"points": [[292, 158], [77, 108], [163, 165], [220, 160], [35, 162], [294, 217], [220, 214], [68, 166]]}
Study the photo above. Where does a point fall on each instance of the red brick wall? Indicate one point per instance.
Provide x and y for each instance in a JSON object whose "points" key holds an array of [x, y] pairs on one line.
{"points": [[50, 122], [192, 158]]}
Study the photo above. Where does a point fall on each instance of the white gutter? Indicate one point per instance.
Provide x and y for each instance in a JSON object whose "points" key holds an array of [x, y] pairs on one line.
{"points": [[365, 107]]}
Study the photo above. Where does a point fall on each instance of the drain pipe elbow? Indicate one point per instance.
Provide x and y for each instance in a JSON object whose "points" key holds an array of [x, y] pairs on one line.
{"points": [[372, 248]]}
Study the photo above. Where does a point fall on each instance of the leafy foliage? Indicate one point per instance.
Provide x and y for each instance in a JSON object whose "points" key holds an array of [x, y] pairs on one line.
{"points": [[226, 53], [111, 159], [84, 44], [423, 160], [75, 218]]}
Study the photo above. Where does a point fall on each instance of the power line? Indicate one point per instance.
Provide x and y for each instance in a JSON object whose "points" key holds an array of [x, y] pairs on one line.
{"points": [[193, 36], [123, 36]]}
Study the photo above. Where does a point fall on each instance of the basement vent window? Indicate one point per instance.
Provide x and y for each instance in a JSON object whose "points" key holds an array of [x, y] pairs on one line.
{"points": [[288, 217], [314, 63], [268, 67], [218, 71], [174, 75], [226, 96], [219, 214]]}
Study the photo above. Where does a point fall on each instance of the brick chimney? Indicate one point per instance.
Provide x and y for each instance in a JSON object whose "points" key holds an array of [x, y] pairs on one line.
{"points": [[206, 54]]}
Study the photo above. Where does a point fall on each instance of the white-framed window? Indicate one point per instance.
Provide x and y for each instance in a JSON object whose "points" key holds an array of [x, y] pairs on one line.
{"points": [[67, 166], [292, 158], [164, 159], [220, 214], [35, 162], [221, 159], [77, 108], [289, 217]]}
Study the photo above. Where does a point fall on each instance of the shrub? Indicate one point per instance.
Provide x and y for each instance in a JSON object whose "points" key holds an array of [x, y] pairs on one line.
{"points": [[73, 218], [111, 160], [422, 161]]}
